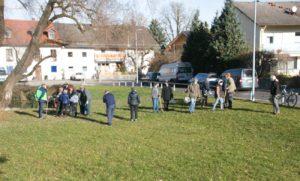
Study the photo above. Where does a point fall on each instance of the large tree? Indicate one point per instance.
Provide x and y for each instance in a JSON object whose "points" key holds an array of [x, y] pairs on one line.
{"points": [[175, 19], [53, 10], [158, 33], [197, 48], [227, 40]]}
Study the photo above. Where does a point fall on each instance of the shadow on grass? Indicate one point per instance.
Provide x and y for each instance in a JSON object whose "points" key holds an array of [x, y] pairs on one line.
{"points": [[115, 116], [250, 110], [140, 109], [22, 113], [3, 159], [91, 120]]}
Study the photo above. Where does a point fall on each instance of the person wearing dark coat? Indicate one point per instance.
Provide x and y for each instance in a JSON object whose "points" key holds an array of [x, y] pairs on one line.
{"points": [[110, 103], [85, 100], [275, 93], [133, 102], [167, 95]]}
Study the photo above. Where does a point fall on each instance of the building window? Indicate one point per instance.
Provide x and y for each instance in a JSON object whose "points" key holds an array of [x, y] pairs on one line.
{"points": [[70, 54], [53, 53], [102, 51], [7, 33], [271, 39], [296, 64], [53, 69], [9, 69], [51, 35], [9, 55], [84, 54], [71, 68], [84, 68], [297, 33]]}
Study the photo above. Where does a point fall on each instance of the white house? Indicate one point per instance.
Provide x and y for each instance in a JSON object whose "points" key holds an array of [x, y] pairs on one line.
{"points": [[278, 30], [97, 52]]}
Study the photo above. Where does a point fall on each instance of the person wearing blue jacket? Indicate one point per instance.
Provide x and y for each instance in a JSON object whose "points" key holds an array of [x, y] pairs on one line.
{"points": [[65, 101], [110, 102]]}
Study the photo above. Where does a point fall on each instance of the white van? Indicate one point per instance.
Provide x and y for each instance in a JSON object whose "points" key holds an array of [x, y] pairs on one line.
{"points": [[176, 72], [3, 74]]}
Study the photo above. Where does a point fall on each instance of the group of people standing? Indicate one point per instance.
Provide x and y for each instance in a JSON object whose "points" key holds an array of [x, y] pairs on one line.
{"points": [[223, 93], [65, 100]]}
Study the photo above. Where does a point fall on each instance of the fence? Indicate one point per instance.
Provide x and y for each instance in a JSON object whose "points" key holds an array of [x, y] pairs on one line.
{"points": [[149, 84]]}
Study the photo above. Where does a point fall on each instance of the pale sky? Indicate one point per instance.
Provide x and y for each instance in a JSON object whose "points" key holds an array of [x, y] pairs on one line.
{"points": [[150, 8]]}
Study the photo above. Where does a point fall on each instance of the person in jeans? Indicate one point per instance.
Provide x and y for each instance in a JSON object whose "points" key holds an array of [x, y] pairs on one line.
{"points": [[229, 90], [193, 91], [275, 93], [133, 102], [166, 95], [219, 96], [42, 98], [65, 101], [155, 98], [110, 103]]}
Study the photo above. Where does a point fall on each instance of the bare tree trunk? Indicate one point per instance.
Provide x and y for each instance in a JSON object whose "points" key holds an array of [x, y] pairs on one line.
{"points": [[2, 25], [27, 58]]}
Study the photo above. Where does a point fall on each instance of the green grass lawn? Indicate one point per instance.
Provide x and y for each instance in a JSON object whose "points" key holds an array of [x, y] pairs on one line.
{"points": [[247, 143]]}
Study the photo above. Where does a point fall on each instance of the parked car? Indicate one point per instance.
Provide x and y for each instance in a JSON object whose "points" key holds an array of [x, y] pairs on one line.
{"points": [[77, 76], [176, 72], [3, 75], [151, 76], [207, 79], [242, 78]]}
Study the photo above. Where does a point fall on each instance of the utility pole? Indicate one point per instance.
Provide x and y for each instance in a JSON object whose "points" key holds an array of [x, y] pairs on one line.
{"points": [[254, 53]]}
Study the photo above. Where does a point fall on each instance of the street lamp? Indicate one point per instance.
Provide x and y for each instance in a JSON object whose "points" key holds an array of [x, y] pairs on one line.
{"points": [[252, 96], [136, 55]]}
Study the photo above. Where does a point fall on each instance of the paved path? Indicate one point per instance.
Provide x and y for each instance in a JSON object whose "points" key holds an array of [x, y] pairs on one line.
{"points": [[260, 95]]}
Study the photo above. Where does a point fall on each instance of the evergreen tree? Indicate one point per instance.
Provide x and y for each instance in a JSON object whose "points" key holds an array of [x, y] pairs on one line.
{"points": [[158, 33], [227, 40], [196, 50]]}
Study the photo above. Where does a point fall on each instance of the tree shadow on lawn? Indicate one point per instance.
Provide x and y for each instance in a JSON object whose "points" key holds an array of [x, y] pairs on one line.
{"points": [[3, 159]]}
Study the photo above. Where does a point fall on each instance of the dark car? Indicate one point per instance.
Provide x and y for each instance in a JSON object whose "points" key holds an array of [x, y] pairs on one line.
{"points": [[207, 79]]}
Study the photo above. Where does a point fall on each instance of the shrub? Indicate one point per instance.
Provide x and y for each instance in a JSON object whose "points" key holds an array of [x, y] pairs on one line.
{"points": [[291, 82]]}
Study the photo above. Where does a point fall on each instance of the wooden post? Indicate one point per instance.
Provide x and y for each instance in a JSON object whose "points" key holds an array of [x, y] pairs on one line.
{"points": [[132, 84], [125, 84], [141, 84], [119, 84], [150, 85], [174, 87]]}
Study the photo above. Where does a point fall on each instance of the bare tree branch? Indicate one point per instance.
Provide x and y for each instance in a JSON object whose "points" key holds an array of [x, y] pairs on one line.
{"points": [[37, 65]]}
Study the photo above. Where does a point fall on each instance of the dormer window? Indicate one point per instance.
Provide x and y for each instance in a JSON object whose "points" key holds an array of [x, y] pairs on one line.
{"points": [[8, 33], [51, 35]]}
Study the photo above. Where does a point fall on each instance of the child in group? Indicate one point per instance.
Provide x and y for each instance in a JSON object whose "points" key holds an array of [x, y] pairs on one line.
{"points": [[65, 101], [58, 104], [74, 99], [219, 96]]}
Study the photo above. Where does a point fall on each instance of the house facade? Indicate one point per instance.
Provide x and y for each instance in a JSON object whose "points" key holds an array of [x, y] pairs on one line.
{"points": [[278, 31], [176, 47], [96, 52]]}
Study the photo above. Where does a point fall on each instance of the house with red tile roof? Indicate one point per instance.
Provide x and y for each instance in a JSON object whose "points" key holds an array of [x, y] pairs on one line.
{"points": [[98, 51]]}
